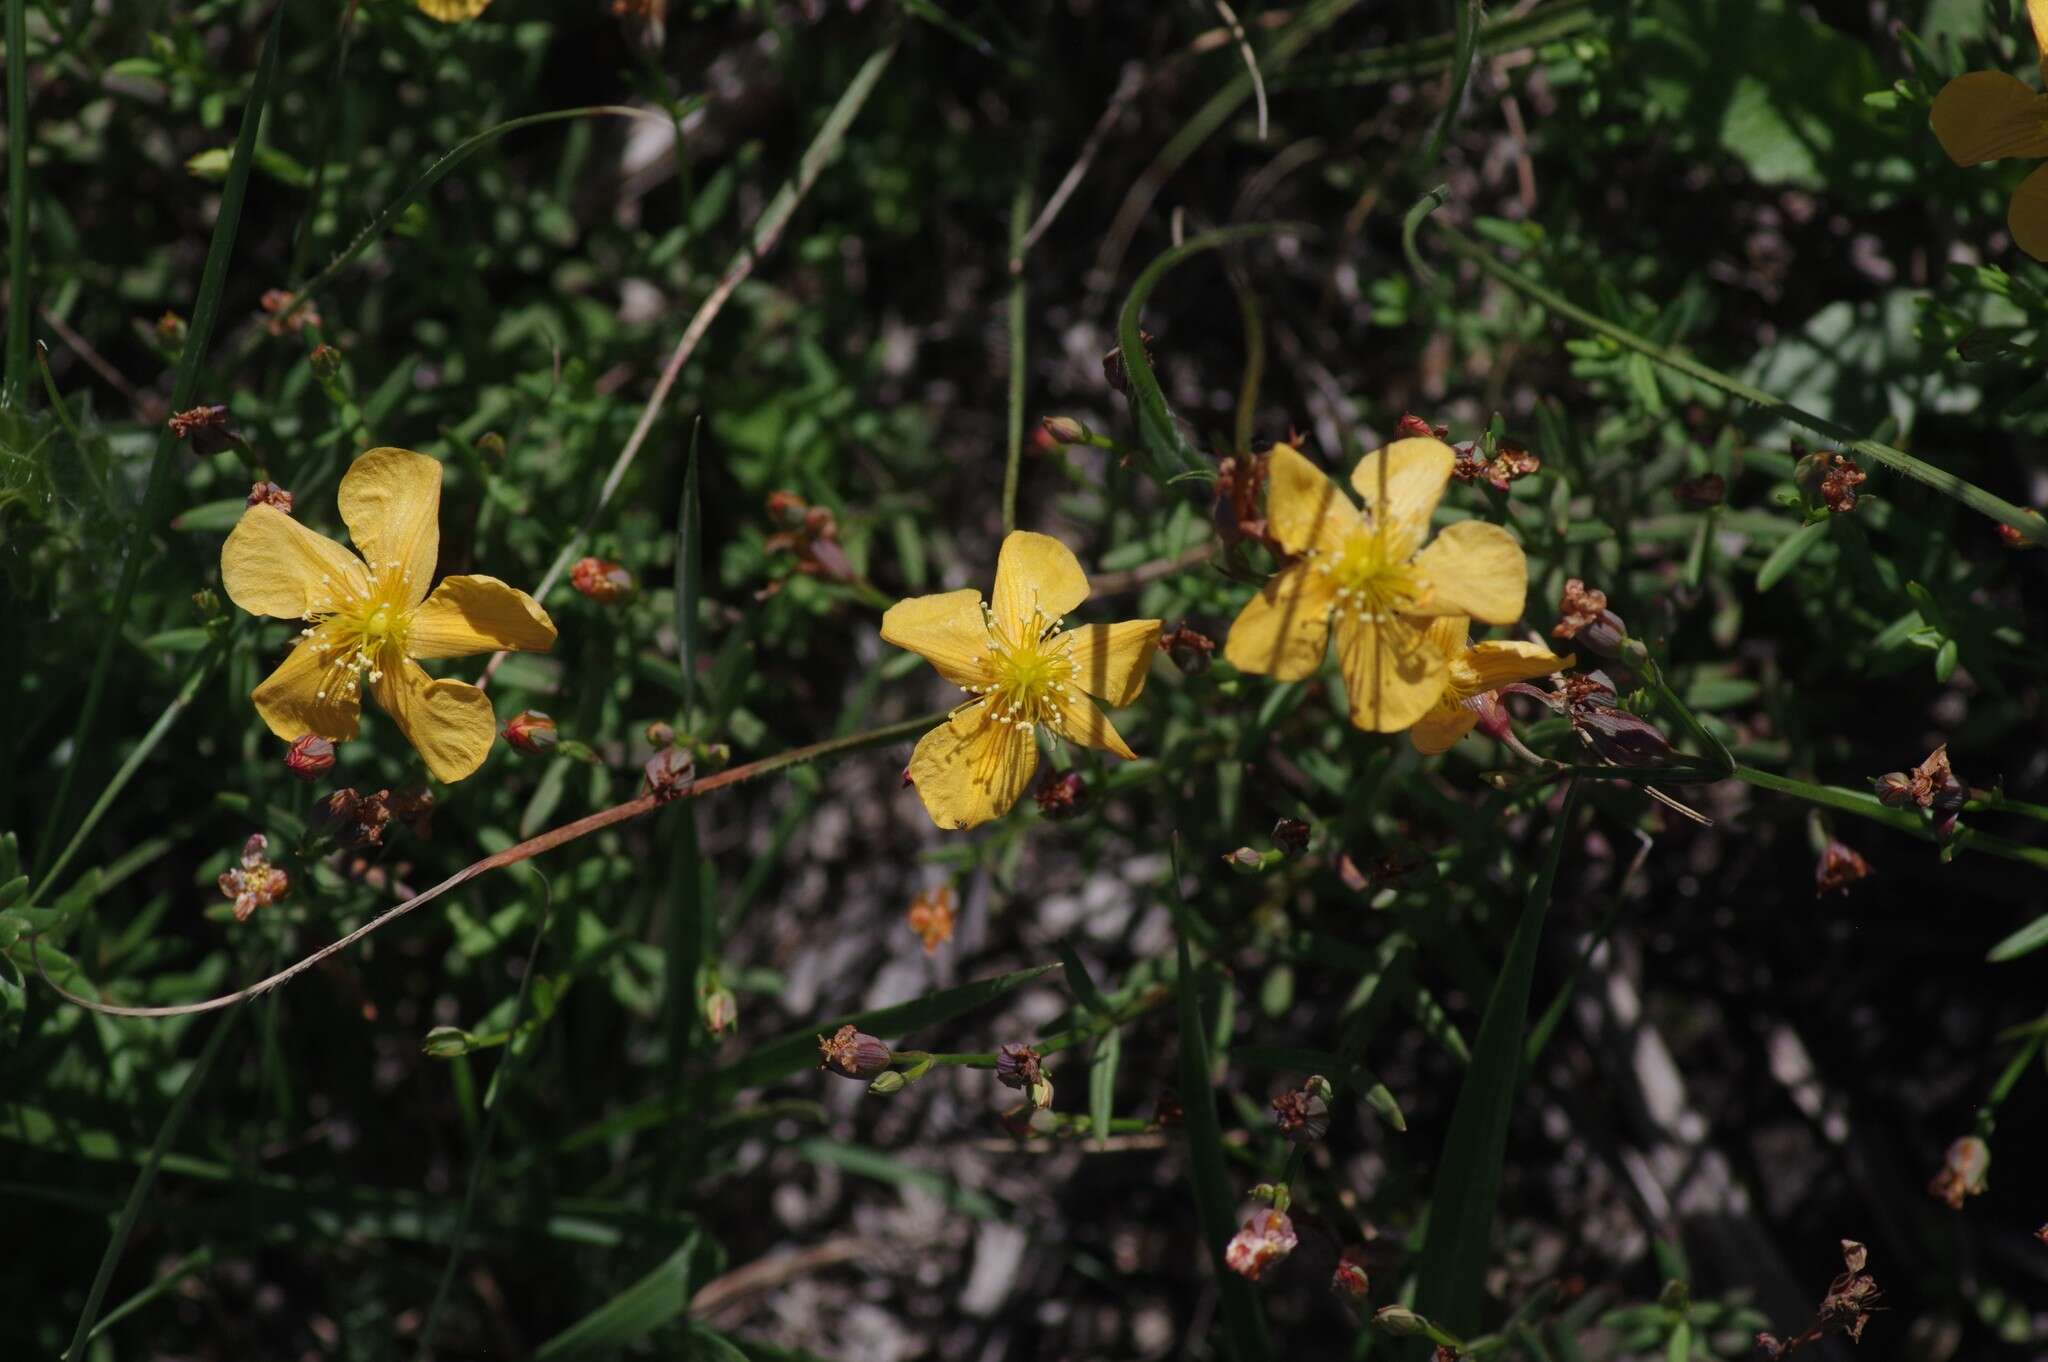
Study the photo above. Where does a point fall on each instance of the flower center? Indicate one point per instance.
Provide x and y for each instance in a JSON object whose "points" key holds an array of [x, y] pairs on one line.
{"points": [[1027, 680], [358, 633], [1373, 582]]}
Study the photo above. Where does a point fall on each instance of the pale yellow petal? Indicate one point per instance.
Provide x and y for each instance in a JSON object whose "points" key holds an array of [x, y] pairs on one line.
{"points": [[303, 697], [1038, 580], [1474, 568], [1304, 509], [453, 11], [946, 630], [971, 768], [1111, 661], [2037, 11], [1502, 662], [2027, 215], [1448, 635], [1391, 673], [391, 502], [1440, 729], [1090, 727], [449, 721], [1281, 632], [477, 614], [273, 565], [1989, 115], [1416, 471]]}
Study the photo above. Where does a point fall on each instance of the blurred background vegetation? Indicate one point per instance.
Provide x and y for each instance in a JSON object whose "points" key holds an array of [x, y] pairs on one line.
{"points": [[1725, 1075]]}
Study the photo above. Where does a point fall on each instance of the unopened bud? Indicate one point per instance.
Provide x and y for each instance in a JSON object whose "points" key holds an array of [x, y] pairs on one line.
{"points": [[1400, 1321], [721, 1011], [886, 1083], [309, 756], [1067, 431], [326, 362], [532, 732], [1041, 1093], [1894, 789], [271, 495], [1494, 720], [852, 1054], [446, 1042], [660, 735], [601, 580], [1413, 427], [491, 445], [1245, 861], [207, 602], [1291, 836], [1061, 797], [1350, 1280], [171, 329], [787, 509]]}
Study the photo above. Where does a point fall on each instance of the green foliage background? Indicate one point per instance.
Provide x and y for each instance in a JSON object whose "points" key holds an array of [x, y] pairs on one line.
{"points": [[1747, 185]]}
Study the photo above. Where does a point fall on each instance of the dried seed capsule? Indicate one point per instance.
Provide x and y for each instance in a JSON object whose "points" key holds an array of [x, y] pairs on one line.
{"points": [[852, 1054]]}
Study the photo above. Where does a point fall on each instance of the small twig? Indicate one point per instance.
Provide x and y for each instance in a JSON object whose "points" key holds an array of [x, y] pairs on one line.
{"points": [[1133, 80], [765, 1274], [97, 363], [1130, 579]]}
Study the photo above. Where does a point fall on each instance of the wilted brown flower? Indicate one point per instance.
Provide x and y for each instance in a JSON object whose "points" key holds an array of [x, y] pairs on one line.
{"points": [[1933, 784], [206, 427], [1303, 1115], [1839, 867], [1190, 650], [1240, 508], [1291, 835], [270, 494], [1509, 463], [810, 534], [668, 773], [1062, 796], [1838, 484], [301, 317], [1265, 1239], [1017, 1066], [852, 1054], [1963, 1172], [352, 819], [931, 917], [414, 807], [257, 883], [1583, 615]]}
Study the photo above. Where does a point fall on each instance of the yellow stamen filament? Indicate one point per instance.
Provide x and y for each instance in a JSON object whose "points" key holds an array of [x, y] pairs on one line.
{"points": [[1027, 681], [357, 633]]}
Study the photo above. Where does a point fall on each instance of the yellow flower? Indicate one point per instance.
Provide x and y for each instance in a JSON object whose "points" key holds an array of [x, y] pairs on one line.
{"points": [[1025, 672], [1369, 575], [367, 621], [1474, 670], [1988, 115], [453, 11]]}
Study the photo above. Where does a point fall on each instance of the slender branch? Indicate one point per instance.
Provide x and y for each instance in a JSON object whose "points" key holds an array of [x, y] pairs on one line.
{"points": [[513, 855]]}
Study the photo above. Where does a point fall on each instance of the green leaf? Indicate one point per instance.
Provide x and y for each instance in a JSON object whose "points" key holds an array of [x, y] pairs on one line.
{"points": [[1215, 1206], [689, 571], [660, 1296], [1787, 555], [1452, 1273], [1102, 1081], [2025, 941], [1081, 983]]}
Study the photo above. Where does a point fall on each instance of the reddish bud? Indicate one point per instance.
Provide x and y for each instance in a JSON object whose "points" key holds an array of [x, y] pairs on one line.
{"points": [[1291, 835], [668, 773], [1413, 427], [1066, 430], [1061, 797], [1964, 1172], [852, 1054], [309, 756], [1190, 650], [786, 509], [326, 362], [1838, 868], [270, 494], [603, 581], [532, 732], [1350, 1280]]}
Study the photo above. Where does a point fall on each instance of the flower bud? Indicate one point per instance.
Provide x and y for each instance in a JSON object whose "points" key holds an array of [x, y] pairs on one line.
{"points": [[446, 1042], [668, 773], [1838, 868], [1067, 431], [721, 1011], [1964, 1172], [1400, 1321], [207, 602], [659, 735], [171, 330], [1302, 1116], [1494, 720], [1245, 861], [325, 362], [1265, 1239], [1350, 1280], [1017, 1066], [309, 756], [787, 509], [1061, 797], [270, 494], [1946, 825], [852, 1054], [1191, 651], [885, 1083], [1413, 427], [1894, 789], [1291, 836], [1041, 1093], [532, 732], [601, 580], [491, 445]]}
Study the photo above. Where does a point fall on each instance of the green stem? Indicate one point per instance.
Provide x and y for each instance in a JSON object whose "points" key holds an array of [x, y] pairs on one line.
{"points": [[1461, 75], [2028, 523], [212, 282], [1653, 675], [1020, 222], [1900, 820], [17, 202]]}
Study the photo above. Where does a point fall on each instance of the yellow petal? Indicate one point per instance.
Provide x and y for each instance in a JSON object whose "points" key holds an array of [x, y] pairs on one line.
{"points": [[391, 502], [1448, 634], [1392, 674], [453, 11], [946, 630], [1988, 115], [2027, 216], [971, 768], [1416, 471], [1489, 666], [449, 721], [1474, 568], [1090, 727], [477, 614], [1440, 729], [273, 565], [290, 699], [2037, 11], [1111, 661], [1304, 509], [1281, 631], [1035, 572]]}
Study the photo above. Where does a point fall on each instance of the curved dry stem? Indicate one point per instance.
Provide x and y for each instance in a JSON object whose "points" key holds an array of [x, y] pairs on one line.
{"points": [[512, 855]]}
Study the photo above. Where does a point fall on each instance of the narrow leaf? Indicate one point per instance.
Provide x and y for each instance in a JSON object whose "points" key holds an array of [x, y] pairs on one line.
{"points": [[2026, 940], [660, 1296], [689, 570], [1102, 1082], [1787, 555]]}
